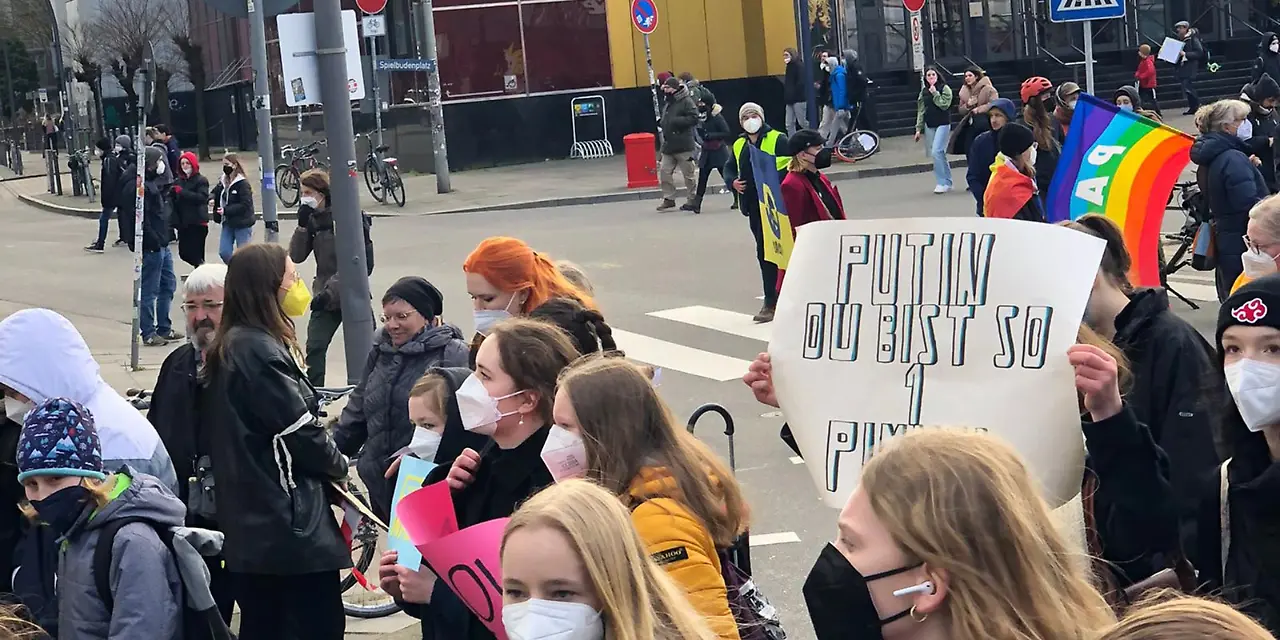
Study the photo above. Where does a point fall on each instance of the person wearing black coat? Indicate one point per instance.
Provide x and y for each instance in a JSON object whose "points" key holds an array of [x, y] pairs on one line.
{"points": [[233, 207], [740, 174], [125, 189], [793, 92], [982, 152], [375, 421], [1231, 181], [191, 209], [1189, 60], [1262, 96], [110, 196], [273, 459], [1268, 60], [716, 138], [158, 280], [1247, 572]]}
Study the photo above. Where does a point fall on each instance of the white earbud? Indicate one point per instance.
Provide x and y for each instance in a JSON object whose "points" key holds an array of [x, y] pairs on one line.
{"points": [[923, 587]]}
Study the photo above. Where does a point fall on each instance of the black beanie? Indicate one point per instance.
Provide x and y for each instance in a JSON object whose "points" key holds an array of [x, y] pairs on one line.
{"points": [[423, 296], [805, 138], [1015, 138], [1256, 304], [673, 82]]}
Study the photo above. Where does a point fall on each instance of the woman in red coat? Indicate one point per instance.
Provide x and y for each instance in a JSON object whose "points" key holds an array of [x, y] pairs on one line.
{"points": [[807, 195]]}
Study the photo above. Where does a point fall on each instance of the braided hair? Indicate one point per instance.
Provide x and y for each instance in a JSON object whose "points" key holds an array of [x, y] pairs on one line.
{"points": [[585, 326]]}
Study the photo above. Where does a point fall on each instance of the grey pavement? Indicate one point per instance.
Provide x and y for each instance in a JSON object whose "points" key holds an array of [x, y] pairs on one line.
{"points": [[641, 262]]}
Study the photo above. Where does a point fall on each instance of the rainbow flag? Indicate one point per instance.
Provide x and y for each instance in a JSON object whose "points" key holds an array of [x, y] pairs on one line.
{"points": [[1119, 164]]}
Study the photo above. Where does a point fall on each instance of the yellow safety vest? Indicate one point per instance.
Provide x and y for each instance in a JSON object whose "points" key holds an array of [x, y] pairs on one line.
{"points": [[769, 145]]}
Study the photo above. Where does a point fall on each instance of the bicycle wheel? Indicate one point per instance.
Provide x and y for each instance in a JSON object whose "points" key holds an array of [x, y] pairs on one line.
{"points": [[395, 186], [857, 145], [360, 602], [288, 185], [373, 180]]}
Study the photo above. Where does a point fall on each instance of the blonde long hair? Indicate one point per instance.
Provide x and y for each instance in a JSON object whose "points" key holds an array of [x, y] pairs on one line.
{"points": [[626, 427], [1165, 615], [964, 503], [639, 601]]}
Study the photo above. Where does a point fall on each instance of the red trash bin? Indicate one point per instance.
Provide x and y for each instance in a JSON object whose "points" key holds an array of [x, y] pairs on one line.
{"points": [[642, 162]]}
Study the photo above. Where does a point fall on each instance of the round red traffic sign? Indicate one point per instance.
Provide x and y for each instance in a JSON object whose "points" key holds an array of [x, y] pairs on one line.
{"points": [[911, 5], [371, 6], [644, 15]]}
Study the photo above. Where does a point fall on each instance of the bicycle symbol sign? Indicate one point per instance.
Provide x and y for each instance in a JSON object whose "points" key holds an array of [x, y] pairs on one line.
{"points": [[644, 14]]}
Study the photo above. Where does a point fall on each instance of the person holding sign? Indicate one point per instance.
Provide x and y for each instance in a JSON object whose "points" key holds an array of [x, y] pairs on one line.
{"points": [[947, 536], [573, 567], [742, 176], [508, 398], [684, 501], [1237, 551]]}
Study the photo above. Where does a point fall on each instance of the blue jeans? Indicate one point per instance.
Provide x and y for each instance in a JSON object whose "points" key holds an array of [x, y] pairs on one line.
{"points": [[158, 286], [232, 238], [935, 146], [104, 220]]}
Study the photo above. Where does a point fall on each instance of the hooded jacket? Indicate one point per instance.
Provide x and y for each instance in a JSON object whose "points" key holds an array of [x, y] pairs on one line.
{"points": [[273, 461], [43, 356], [1264, 124], [856, 79], [146, 583], [1132, 93], [983, 90], [1172, 366], [1145, 74], [235, 199], [716, 136], [377, 415], [109, 178], [679, 542], [158, 209], [678, 122], [1234, 185], [314, 234], [1268, 62], [982, 153], [191, 195], [840, 88]]}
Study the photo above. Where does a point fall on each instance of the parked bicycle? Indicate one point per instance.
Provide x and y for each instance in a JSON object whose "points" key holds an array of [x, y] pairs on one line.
{"points": [[381, 173], [858, 144], [359, 602], [81, 174], [295, 161]]}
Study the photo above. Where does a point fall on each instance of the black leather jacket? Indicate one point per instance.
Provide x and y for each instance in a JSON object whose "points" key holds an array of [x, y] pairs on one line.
{"points": [[274, 462]]}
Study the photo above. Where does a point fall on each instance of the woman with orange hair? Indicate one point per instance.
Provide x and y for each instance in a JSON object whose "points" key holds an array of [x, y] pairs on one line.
{"points": [[506, 277]]}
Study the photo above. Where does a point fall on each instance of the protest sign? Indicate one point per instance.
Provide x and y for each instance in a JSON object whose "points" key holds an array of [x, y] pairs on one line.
{"points": [[469, 563], [775, 224], [1123, 166], [887, 325], [413, 472], [427, 514]]}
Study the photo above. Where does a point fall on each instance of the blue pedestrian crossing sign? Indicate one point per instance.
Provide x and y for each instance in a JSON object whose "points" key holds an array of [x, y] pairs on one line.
{"points": [[1081, 10], [644, 14]]}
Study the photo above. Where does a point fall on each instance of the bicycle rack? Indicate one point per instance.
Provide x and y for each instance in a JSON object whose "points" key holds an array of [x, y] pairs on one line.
{"points": [[587, 108]]}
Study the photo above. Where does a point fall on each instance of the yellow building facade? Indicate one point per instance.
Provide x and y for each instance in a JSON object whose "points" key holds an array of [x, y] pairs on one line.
{"points": [[712, 39]]}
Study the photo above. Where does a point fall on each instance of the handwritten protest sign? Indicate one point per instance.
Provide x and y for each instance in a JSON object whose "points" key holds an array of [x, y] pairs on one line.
{"points": [[427, 514], [888, 325], [413, 472], [469, 563]]}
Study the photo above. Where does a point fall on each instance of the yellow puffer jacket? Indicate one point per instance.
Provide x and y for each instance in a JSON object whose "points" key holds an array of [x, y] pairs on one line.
{"points": [[679, 543]]}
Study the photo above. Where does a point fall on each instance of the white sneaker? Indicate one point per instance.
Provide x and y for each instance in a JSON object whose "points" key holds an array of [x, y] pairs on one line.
{"points": [[941, 189]]}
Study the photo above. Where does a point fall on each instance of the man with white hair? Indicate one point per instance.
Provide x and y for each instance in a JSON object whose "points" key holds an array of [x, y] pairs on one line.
{"points": [[175, 412]]}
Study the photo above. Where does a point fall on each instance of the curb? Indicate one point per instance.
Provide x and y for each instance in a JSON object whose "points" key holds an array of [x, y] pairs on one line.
{"points": [[542, 203]]}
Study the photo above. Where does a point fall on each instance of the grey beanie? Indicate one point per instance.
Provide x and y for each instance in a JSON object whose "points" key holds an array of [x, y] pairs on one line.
{"points": [[850, 55], [154, 155], [124, 141], [750, 107]]}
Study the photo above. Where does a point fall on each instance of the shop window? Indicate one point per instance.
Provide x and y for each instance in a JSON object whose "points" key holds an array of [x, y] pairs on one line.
{"points": [[479, 51], [564, 42]]}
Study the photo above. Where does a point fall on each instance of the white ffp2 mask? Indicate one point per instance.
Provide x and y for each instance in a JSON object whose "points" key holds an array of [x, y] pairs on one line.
{"points": [[752, 125], [551, 620], [1255, 386], [1257, 264], [565, 454], [478, 409]]}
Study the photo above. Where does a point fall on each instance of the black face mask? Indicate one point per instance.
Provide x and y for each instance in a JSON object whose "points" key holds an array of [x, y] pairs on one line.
{"points": [[228, 169], [61, 509], [822, 159], [839, 601]]}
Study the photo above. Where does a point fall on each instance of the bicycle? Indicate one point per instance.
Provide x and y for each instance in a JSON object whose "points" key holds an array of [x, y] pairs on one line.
{"points": [[1193, 205], [296, 160], [362, 603], [381, 173], [858, 144]]}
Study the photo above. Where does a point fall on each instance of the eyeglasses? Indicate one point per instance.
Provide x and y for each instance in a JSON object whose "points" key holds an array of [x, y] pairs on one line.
{"points": [[398, 317], [210, 307]]}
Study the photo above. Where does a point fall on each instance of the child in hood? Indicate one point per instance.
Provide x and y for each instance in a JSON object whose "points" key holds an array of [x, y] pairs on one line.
{"points": [[60, 467], [1012, 192]]}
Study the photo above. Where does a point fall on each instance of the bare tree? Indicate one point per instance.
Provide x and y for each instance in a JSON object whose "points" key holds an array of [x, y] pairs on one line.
{"points": [[86, 55], [32, 22], [125, 29], [190, 43]]}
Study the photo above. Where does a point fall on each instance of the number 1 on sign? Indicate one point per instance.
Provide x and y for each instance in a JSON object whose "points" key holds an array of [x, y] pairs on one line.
{"points": [[915, 382]]}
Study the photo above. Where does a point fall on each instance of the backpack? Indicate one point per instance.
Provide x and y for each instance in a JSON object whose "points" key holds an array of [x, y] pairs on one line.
{"points": [[203, 623], [756, 618]]}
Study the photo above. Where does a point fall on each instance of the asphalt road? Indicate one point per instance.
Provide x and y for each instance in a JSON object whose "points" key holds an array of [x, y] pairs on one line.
{"points": [[675, 287]]}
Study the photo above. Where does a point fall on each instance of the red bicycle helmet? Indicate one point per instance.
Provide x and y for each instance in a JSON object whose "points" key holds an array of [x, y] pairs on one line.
{"points": [[1035, 86]]}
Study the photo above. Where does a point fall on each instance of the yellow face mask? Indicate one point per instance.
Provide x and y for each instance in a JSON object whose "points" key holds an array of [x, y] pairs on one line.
{"points": [[297, 299]]}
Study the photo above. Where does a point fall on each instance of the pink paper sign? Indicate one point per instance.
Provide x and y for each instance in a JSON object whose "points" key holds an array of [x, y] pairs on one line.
{"points": [[468, 562], [427, 514]]}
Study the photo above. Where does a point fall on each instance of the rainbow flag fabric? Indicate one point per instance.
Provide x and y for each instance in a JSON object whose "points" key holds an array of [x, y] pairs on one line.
{"points": [[1121, 165]]}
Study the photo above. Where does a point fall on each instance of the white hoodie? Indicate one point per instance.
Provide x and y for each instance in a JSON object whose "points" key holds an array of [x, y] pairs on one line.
{"points": [[43, 356]]}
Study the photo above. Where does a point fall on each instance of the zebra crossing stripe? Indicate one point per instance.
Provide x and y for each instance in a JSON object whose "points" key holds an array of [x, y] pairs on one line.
{"points": [[677, 357], [730, 322]]}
